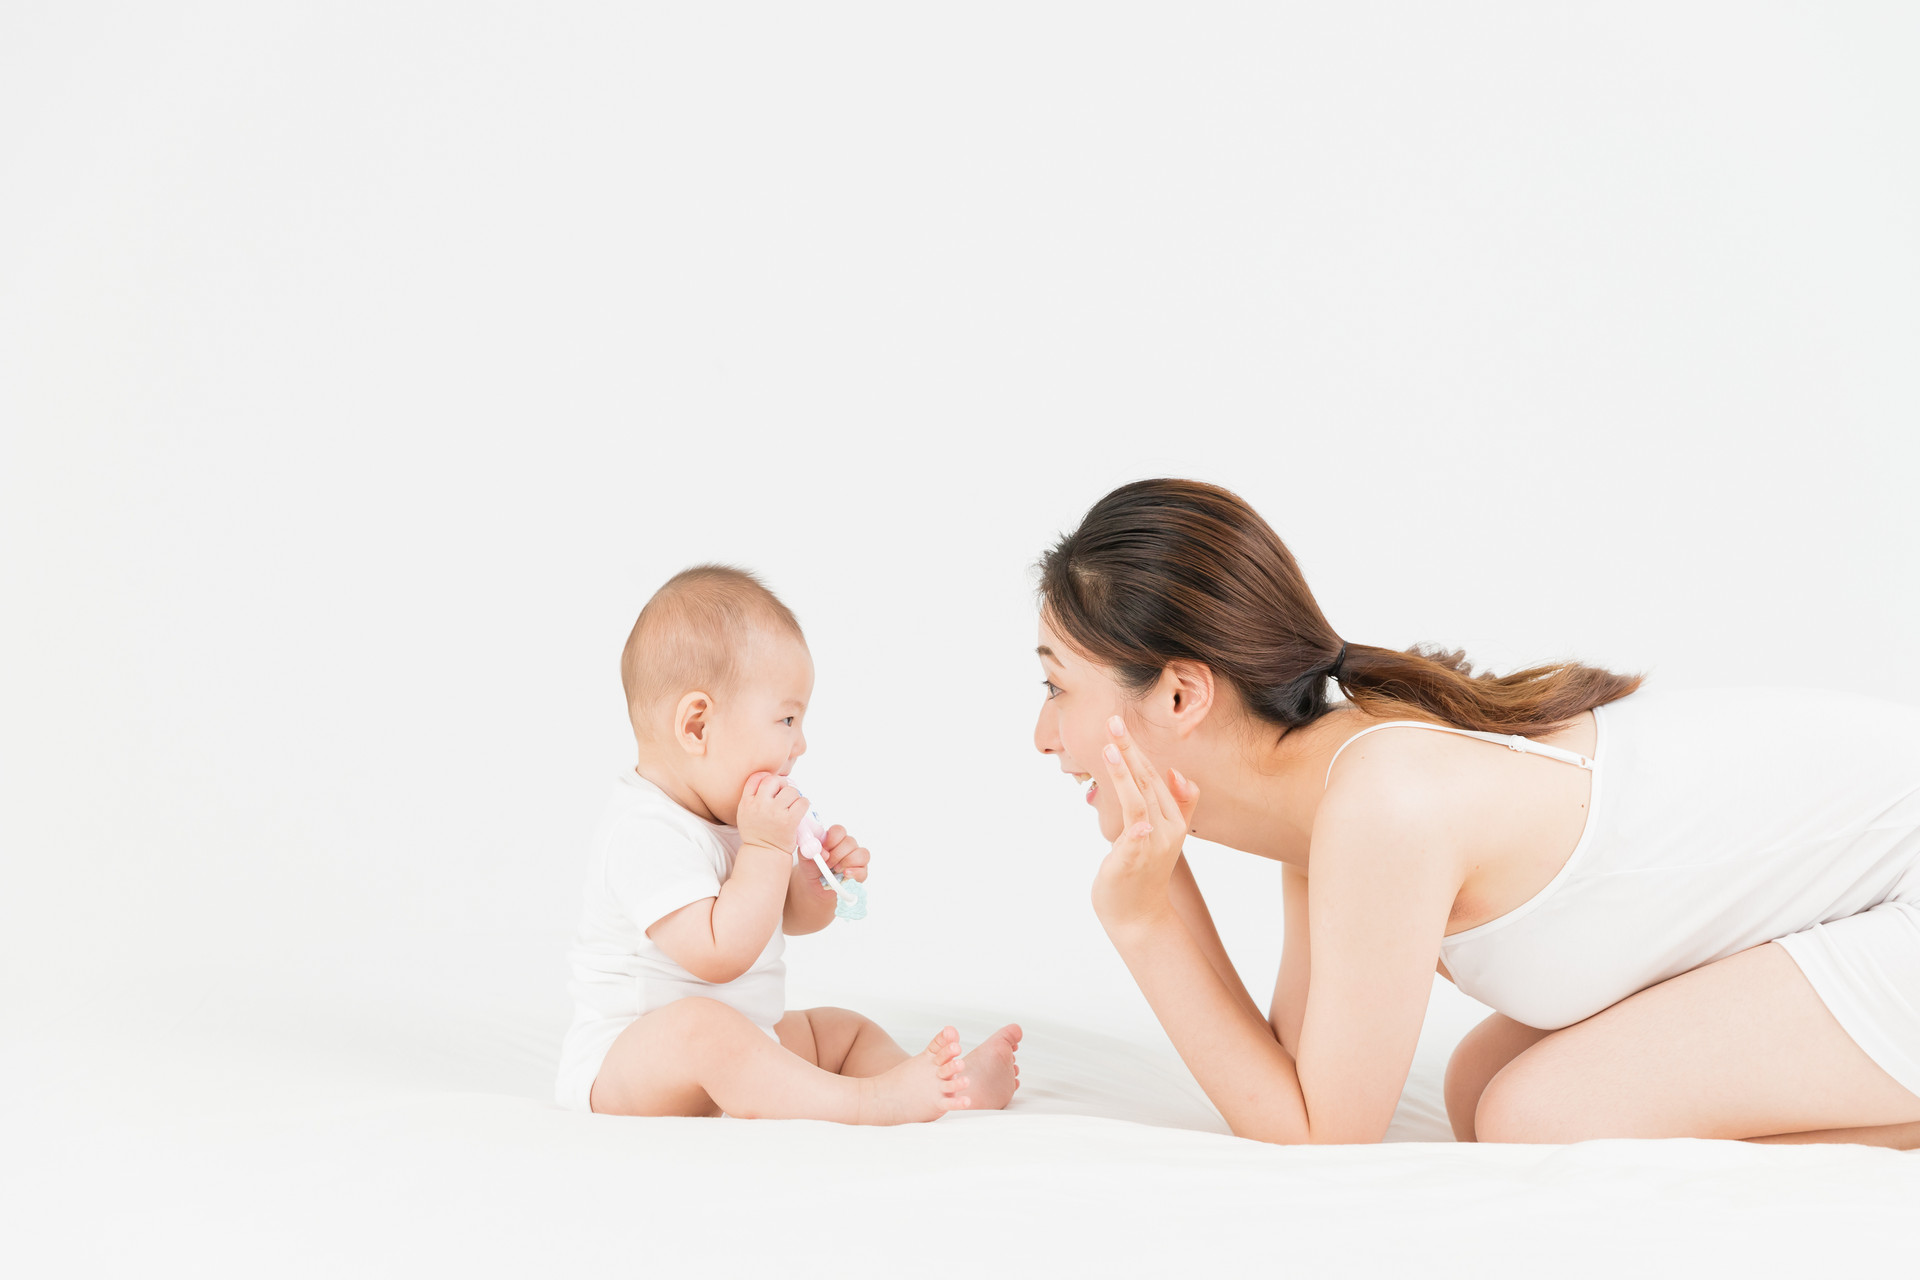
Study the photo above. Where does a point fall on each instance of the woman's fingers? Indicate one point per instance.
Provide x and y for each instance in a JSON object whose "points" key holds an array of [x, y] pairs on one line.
{"points": [[1185, 794], [1160, 804], [1133, 805]]}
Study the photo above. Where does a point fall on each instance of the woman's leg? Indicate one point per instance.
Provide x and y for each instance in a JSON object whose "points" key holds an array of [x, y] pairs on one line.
{"points": [[1901, 1137], [1478, 1058], [1741, 1048]]}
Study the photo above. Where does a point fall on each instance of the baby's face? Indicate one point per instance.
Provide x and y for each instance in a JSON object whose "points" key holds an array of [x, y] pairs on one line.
{"points": [[757, 728], [1080, 697]]}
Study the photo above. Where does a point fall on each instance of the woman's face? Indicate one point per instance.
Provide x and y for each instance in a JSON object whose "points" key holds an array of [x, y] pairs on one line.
{"points": [[1080, 698]]}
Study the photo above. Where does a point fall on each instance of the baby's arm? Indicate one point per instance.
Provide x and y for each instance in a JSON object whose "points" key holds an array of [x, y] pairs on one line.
{"points": [[718, 939], [809, 903]]}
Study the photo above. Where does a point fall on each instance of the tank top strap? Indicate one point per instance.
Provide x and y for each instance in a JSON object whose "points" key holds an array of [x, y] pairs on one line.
{"points": [[1511, 741]]}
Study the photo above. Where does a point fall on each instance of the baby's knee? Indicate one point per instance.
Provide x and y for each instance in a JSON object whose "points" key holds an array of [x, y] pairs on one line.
{"points": [[828, 1019]]}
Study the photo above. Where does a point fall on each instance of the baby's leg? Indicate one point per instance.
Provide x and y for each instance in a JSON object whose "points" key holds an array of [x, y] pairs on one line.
{"points": [[840, 1041], [696, 1057], [843, 1041]]}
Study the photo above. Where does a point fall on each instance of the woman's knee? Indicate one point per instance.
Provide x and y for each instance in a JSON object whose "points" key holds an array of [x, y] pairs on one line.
{"points": [[1524, 1102], [1468, 1072], [1481, 1055]]}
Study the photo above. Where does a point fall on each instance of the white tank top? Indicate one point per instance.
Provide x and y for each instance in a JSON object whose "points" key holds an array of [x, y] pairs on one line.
{"points": [[1719, 819]]}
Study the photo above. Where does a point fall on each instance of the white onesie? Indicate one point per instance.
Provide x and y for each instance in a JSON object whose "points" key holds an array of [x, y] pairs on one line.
{"points": [[649, 858]]}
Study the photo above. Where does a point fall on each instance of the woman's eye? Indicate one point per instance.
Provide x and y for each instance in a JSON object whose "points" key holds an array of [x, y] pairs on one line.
{"points": [[788, 722], [1053, 690]]}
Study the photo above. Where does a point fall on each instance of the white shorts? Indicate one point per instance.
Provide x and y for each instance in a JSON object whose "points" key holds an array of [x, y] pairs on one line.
{"points": [[585, 1049], [1866, 969]]}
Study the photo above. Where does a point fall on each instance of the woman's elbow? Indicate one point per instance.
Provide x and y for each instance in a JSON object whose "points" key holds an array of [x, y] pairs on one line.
{"points": [[1262, 1124], [1299, 1131], [1273, 1133]]}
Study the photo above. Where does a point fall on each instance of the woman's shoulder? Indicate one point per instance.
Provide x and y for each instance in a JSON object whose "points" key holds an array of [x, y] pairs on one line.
{"points": [[1401, 808], [1438, 781], [1386, 772], [1386, 751]]}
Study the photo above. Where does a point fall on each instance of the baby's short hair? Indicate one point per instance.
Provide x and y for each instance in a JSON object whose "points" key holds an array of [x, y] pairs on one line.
{"points": [[693, 634]]}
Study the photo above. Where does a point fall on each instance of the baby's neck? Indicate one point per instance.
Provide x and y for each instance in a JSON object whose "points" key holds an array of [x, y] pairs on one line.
{"points": [[669, 780]]}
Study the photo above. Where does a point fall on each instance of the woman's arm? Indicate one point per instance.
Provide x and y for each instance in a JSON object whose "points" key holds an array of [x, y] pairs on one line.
{"points": [[1289, 1006], [1377, 909], [1224, 1041], [1382, 887], [1188, 904]]}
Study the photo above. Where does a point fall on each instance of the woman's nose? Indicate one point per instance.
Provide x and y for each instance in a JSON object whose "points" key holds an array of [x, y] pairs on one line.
{"points": [[1045, 741]]}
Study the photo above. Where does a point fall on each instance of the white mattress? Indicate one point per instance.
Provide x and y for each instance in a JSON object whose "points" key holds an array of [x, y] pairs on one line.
{"points": [[323, 1122]]}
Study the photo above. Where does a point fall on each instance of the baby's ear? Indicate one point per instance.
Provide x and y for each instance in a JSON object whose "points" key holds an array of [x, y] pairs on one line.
{"points": [[692, 722]]}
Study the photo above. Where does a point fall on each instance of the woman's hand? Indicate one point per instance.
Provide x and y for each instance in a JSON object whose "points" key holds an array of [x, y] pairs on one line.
{"points": [[1154, 815]]}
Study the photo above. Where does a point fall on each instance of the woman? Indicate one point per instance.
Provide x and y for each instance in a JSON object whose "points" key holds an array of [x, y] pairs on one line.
{"points": [[1697, 913]]}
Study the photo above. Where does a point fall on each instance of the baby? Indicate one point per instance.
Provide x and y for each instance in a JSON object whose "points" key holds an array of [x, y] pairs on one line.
{"points": [[693, 879]]}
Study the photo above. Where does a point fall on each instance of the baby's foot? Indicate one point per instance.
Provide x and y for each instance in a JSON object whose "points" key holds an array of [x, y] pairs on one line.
{"points": [[990, 1075], [924, 1087]]}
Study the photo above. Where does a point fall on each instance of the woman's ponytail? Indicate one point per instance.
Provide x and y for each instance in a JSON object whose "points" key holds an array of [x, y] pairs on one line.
{"points": [[1436, 684]]}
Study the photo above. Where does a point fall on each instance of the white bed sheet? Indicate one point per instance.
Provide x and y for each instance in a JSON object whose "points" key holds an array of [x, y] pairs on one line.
{"points": [[322, 1122]]}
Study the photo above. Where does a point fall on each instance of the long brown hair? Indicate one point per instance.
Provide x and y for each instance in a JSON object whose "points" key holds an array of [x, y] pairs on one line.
{"points": [[1162, 571]]}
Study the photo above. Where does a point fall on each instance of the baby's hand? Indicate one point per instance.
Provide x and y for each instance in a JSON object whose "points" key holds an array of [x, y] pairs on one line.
{"points": [[770, 813], [844, 855]]}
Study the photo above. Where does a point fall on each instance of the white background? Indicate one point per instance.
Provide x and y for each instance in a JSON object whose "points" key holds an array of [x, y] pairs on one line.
{"points": [[363, 369]]}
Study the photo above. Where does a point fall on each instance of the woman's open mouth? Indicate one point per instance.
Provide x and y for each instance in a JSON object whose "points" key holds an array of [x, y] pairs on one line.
{"points": [[1093, 788]]}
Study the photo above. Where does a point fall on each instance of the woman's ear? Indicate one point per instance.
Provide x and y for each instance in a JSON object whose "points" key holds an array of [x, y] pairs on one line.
{"points": [[692, 718], [1187, 695]]}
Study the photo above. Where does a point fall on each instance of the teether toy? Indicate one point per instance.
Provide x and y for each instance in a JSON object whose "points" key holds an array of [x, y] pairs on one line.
{"points": [[852, 895]]}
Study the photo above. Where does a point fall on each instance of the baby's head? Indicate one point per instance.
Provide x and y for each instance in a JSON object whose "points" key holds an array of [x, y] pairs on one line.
{"points": [[717, 676]]}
